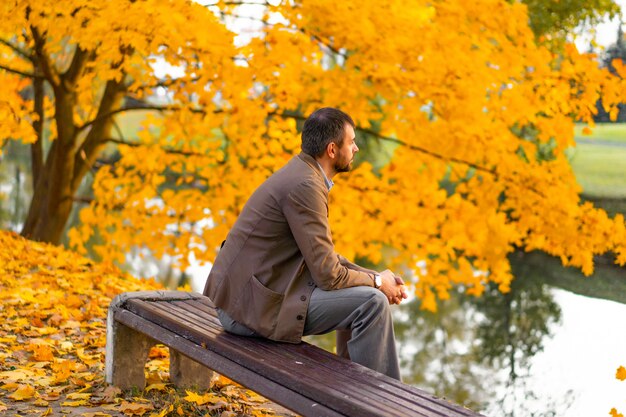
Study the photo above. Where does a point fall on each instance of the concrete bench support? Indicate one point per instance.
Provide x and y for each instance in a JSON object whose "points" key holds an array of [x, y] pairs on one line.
{"points": [[127, 349]]}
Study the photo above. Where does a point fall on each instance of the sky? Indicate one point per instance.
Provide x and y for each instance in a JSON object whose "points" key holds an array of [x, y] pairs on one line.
{"points": [[606, 33]]}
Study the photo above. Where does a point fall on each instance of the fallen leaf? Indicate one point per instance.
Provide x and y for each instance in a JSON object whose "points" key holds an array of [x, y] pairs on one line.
{"points": [[74, 403], [164, 411], [197, 399], [156, 387], [78, 396], [24, 392], [230, 391], [16, 375], [254, 397], [107, 396], [131, 409], [40, 402]]}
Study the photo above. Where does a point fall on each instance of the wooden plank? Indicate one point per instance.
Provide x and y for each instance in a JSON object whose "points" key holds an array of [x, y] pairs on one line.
{"points": [[281, 394], [382, 385], [365, 388], [280, 356], [351, 393], [245, 351], [355, 379]]}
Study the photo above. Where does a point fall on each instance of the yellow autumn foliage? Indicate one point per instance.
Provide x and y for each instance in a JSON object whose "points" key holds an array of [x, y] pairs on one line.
{"points": [[464, 119], [53, 309]]}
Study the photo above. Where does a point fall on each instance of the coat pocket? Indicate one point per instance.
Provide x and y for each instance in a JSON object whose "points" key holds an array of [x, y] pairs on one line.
{"points": [[261, 306]]}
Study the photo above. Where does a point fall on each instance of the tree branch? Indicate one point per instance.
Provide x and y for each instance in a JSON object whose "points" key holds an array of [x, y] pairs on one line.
{"points": [[427, 152], [77, 65], [167, 150], [41, 60], [301, 30], [18, 72], [84, 200], [104, 116], [399, 142], [20, 51]]}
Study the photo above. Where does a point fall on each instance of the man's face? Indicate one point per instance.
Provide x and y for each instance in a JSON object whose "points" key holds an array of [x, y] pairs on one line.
{"points": [[345, 155]]}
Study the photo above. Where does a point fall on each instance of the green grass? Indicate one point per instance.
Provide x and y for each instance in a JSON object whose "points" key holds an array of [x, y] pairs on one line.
{"points": [[606, 132], [600, 169], [599, 160]]}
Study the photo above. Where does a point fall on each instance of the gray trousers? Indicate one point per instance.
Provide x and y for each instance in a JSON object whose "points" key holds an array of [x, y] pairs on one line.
{"points": [[362, 318]]}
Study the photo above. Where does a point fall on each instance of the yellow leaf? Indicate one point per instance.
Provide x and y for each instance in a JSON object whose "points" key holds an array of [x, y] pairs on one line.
{"points": [[157, 387], [78, 396], [24, 392], [621, 373], [42, 352], [131, 409], [40, 402], [9, 386], [254, 397], [96, 414], [15, 375], [163, 411], [197, 399], [75, 403]]}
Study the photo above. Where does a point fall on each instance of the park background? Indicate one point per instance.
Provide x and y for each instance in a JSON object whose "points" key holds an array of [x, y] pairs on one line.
{"points": [[558, 352]]}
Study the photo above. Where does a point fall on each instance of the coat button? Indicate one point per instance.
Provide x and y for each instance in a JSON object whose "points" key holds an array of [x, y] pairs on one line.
{"points": [[303, 298], [300, 317]]}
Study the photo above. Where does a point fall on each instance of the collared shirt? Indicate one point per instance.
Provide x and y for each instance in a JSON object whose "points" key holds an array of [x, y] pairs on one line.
{"points": [[329, 182]]}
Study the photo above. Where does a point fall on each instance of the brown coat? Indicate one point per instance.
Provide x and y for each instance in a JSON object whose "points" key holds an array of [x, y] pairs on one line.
{"points": [[278, 251]]}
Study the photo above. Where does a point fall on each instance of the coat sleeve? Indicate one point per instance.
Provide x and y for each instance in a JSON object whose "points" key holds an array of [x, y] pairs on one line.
{"points": [[351, 265], [306, 211]]}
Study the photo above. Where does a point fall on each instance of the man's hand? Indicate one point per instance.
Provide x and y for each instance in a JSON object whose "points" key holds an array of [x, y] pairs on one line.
{"points": [[393, 287]]}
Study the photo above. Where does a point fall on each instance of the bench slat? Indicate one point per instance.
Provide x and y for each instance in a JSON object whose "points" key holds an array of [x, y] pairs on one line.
{"points": [[245, 352], [372, 386], [368, 386], [306, 351], [391, 386], [281, 356]]}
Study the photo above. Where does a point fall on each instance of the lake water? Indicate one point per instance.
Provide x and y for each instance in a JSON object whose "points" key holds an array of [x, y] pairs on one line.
{"points": [[588, 346]]}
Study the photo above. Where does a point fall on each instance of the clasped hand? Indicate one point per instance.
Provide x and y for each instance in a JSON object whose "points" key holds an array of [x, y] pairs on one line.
{"points": [[393, 287]]}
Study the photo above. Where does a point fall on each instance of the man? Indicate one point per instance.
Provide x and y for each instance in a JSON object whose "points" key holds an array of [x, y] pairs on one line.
{"points": [[277, 274]]}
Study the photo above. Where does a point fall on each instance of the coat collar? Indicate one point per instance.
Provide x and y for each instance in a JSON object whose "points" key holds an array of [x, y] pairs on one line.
{"points": [[312, 162]]}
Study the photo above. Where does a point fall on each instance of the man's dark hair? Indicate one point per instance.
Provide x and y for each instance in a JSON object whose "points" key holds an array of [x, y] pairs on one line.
{"points": [[325, 125]]}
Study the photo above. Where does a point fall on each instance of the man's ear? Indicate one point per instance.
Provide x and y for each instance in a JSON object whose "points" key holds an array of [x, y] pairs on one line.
{"points": [[331, 150]]}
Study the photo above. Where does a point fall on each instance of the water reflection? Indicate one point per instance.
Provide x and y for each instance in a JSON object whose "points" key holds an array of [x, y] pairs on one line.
{"points": [[477, 351]]}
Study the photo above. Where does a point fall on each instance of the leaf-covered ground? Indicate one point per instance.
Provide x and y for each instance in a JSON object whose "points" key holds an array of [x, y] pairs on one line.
{"points": [[53, 306]]}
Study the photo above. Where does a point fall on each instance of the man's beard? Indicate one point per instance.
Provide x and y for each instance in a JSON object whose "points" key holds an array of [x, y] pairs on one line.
{"points": [[343, 167]]}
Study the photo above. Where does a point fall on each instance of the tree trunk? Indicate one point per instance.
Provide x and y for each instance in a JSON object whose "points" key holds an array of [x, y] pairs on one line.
{"points": [[52, 197]]}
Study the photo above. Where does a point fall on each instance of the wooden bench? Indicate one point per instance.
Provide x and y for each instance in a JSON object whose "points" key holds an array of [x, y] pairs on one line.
{"points": [[302, 378]]}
